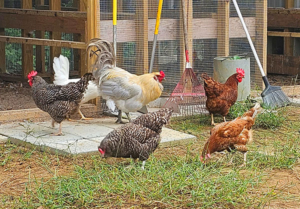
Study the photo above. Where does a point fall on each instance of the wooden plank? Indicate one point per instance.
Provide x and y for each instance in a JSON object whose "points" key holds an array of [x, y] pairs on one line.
{"points": [[27, 50], [280, 20], [288, 41], [284, 34], [141, 29], [43, 42], [59, 24], [261, 39], [2, 47], [281, 64], [47, 13], [40, 53], [223, 28]]}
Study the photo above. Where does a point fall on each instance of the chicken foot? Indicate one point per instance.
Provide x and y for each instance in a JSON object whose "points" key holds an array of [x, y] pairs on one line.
{"points": [[119, 120], [59, 133], [82, 116]]}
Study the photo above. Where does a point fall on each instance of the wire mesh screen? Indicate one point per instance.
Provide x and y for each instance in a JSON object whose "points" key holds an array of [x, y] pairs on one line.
{"points": [[13, 53], [135, 31]]}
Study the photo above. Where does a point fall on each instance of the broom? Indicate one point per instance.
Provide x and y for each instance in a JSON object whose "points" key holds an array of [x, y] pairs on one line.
{"points": [[272, 96]]}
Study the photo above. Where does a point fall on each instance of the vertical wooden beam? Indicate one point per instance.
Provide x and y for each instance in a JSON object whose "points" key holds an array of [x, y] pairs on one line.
{"points": [[54, 51], [288, 41], [142, 36], [289, 4], [40, 53], [79, 55], [2, 46], [40, 2], [92, 31], [27, 50], [93, 27], [223, 28], [261, 38]]}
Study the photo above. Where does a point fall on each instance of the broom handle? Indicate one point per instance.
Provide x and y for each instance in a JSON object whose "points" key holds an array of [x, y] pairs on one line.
{"points": [[248, 37], [155, 34], [115, 3], [184, 17]]}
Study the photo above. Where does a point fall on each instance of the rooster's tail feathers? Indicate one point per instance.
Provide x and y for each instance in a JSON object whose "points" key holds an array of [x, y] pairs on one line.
{"points": [[104, 52], [61, 69]]}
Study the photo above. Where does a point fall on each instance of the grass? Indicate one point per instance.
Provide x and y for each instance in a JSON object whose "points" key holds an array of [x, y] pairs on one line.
{"points": [[173, 177]]}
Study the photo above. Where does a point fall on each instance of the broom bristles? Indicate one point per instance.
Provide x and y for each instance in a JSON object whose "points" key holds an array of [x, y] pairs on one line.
{"points": [[274, 97]]}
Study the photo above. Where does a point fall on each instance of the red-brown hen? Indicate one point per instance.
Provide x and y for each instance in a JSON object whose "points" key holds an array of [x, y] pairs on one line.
{"points": [[220, 97]]}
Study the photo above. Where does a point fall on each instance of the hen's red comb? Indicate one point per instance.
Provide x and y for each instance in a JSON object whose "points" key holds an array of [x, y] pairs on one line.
{"points": [[31, 74], [162, 74], [240, 71]]}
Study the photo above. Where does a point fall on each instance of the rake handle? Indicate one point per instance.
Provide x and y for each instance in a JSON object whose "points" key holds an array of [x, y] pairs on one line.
{"points": [[184, 14], [249, 39]]}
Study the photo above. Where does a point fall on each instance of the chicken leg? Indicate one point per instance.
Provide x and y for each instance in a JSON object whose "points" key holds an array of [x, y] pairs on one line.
{"points": [[59, 133], [224, 118], [212, 119], [245, 159]]}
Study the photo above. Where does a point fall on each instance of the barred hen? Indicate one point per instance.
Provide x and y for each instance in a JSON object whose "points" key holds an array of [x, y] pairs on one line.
{"points": [[58, 101], [233, 135], [221, 96], [137, 139]]}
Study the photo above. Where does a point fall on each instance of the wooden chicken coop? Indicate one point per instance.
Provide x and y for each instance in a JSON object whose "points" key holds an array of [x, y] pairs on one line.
{"points": [[284, 37], [214, 29]]}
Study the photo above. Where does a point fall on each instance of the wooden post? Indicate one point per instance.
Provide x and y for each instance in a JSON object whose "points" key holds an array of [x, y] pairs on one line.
{"points": [[262, 37], [142, 36], [93, 27], [93, 31], [2, 46], [223, 28], [189, 16], [80, 55], [288, 41], [54, 51], [27, 50], [40, 53], [40, 50]]}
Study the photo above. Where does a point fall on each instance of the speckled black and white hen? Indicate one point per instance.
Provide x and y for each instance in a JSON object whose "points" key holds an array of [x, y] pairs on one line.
{"points": [[59, 101], [137, 139]]}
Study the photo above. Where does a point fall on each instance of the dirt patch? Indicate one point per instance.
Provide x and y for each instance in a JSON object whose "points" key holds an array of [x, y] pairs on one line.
{"points": [[15, 96], [284, 185]]}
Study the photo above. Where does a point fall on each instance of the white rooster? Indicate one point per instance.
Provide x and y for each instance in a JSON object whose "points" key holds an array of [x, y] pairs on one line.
{"points": [[61, 77]]}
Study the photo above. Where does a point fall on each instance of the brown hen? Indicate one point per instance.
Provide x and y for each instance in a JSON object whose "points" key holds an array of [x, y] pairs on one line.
{"points": [[220, 97], [233, 135]]}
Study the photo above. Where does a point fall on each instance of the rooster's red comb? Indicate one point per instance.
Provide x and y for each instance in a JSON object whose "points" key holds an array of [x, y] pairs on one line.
{"points": [[31, 74], [162, 74], [240, 71]]}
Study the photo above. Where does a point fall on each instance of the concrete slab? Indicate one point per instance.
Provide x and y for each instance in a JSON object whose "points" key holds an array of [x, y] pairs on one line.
{"points": [[80, 137]]}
